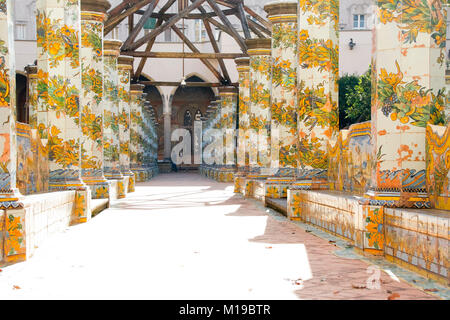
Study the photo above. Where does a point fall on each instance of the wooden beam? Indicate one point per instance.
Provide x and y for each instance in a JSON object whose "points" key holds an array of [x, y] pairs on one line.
{"points": [[186, 55], [255, 30], [113, 21], [194, 49], [216, 50], [264, 22], [150, 44], [258, 26], [120, 7], [191, 16], [228, 24], [188, 84], [243, 19], [168, 24]]}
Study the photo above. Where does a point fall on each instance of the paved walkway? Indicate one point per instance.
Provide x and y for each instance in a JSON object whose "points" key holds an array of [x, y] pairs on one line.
{"points": [[181, 236]]}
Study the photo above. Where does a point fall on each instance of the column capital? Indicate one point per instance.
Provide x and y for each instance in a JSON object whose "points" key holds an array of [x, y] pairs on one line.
{"points": [[223, 91], [31, 70], [242, 64], [112, 47], [125, 62], [100, 6], [282, 11], [257, 47]]}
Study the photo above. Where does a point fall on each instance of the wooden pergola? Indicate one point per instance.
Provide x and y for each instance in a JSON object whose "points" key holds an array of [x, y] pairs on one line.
{"points": [[216, 13]]}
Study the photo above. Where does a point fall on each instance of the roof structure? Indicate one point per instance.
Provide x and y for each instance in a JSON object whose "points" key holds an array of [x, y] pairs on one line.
{"points": [[213, 13]]}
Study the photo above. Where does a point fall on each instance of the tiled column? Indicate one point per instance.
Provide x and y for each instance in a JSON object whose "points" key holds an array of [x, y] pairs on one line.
{"points": [[260, 52], [283, 15], [93, 14], [136, 92], [32, 77], [243, 67], [9, 195], [124, 71], [111, 138], [408, 82], [318, 72], [59, 112], [228, 112]]}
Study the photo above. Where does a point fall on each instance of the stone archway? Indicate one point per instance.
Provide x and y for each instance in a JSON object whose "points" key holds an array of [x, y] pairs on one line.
{"points": [[187, 103]]}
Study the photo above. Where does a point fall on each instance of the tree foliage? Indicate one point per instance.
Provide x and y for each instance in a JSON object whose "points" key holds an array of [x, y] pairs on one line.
{"points": [[354, 99]]}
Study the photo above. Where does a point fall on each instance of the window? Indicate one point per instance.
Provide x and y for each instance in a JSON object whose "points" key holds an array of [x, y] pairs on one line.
{"points": [[20, 31], [359, 21]]}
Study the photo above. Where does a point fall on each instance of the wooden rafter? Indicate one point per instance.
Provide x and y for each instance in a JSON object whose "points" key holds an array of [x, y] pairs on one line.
{"points": [[168, 24], [194, 49], [216, 50], [185, 55], [252, 24], [114, 20], [136, 29]]}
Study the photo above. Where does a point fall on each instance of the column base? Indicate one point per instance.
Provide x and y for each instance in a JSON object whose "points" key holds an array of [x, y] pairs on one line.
{"points": [[100, 188], [130, 186]]}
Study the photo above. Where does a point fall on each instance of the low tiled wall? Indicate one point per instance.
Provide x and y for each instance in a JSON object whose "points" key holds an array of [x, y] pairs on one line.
{"points": [[340, 214], [24, 229], [419, 240], [416, 239]]}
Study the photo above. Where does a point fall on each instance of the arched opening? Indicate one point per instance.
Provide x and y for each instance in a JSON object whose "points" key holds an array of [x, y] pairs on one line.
{"points": [[156, 100], [21, 98], [190, 104]]}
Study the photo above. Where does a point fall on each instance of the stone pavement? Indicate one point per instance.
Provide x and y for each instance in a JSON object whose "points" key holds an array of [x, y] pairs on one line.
{"points": [[181, 236]]}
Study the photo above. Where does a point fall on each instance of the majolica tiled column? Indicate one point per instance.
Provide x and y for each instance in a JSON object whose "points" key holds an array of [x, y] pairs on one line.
{"points": [[136, 91], [228, 113], [318, 72], [283, 15], [260, 52], [9, 195], [32, 77], [243, 67], [124, 71], [408, 82], [93, 15], [111, 147], [59, 112]]}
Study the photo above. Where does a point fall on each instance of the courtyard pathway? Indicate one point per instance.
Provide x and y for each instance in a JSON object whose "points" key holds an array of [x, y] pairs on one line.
{"points": [[181, 236]]}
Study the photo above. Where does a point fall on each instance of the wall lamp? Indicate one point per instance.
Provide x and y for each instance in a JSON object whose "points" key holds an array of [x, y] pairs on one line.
{"points": [[351, 44]]}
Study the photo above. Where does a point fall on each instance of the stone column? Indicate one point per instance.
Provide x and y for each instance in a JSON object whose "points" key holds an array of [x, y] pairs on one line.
{"points": [[167, 113], [260, 52], [283, 15], [9, 195], [125, 66], [228, 114], [59, 112], [408, 81], [318, 73], [93, 15], [136, 153], [111, 134], [243, 67]]}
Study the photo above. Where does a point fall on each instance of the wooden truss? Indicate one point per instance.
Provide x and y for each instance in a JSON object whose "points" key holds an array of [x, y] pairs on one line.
{"points": [[212, 12]]}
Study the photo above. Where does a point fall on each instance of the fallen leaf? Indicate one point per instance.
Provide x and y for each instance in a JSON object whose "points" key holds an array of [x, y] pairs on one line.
{"points": [[432, 290], [16, 288], [332, 241], [1, 270], [268, 247], [308, 231], [393, 296], [358, 286], [336, 292]]}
